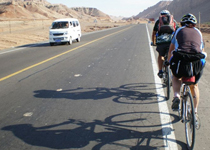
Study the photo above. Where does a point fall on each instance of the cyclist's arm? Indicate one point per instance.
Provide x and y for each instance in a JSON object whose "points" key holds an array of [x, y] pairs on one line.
{"points": [[155, 30], [171, 48], [203, 45], [153, 36]]}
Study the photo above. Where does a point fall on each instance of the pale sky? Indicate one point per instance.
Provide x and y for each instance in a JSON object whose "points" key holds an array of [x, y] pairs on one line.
{"points": [[125, 8]]}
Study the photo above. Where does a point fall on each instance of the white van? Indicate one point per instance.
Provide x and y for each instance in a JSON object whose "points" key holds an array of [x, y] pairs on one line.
{"points": [[64, 31]]}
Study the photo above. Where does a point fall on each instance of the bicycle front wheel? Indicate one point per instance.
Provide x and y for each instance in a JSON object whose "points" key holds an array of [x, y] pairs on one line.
{"points": [[189, 121]]}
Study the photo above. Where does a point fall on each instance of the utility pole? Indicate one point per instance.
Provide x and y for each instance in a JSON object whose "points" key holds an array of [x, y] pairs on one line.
{"points": [[199, 20]]}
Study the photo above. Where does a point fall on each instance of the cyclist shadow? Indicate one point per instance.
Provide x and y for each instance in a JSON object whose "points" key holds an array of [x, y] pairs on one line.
{"points": [[129, 94], [79, 134]]}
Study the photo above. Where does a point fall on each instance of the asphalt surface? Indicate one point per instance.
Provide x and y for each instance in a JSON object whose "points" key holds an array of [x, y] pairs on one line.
{"points": [[99, 94]]}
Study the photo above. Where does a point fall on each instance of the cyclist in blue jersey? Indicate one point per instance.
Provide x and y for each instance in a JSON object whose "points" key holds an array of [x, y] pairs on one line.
{"points": [[188, 58]]}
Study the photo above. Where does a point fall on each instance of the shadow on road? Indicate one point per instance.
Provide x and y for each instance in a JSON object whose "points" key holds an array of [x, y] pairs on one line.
{"points": [[135, 93], [42, 44], [79, 134], [129, 130]]}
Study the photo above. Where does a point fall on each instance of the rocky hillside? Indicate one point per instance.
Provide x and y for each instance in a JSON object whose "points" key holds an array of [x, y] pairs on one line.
{"points": [[94, 12], [178, 8], [41, 9], [153, 11]]}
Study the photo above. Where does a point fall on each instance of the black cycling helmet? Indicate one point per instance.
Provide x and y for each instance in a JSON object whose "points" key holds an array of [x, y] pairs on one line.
{"points": [[189, 18]]}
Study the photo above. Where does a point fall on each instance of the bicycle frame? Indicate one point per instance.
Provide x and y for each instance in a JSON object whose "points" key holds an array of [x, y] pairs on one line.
{"points": [[184, 89]]}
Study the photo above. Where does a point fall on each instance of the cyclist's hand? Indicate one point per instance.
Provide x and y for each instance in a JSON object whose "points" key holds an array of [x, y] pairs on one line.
{"points": [[152, 44], [166, 63], [205, 54]]}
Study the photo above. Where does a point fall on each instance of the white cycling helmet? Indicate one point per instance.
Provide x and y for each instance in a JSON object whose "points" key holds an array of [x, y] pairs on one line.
{"points": [[165, 12]]}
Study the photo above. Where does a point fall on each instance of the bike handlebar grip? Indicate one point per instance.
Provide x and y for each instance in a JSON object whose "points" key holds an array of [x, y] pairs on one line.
{"points": [[166, 63], [152, 44]]}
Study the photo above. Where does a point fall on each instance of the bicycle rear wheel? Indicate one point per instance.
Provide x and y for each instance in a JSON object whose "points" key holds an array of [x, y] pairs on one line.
{"points": [[189, 121], [168, 82]]}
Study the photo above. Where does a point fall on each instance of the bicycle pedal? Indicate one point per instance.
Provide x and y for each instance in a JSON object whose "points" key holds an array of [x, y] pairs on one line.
{"points": [[197, 126]]}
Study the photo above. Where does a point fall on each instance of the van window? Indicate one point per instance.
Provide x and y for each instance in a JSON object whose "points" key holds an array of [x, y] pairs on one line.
{"points": [[70, 23], [60, 25], [74, 24], [77, 23]]}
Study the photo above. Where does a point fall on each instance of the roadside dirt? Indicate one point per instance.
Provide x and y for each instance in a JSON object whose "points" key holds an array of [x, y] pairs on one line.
{"points": [[16, 33], [206, 37]]}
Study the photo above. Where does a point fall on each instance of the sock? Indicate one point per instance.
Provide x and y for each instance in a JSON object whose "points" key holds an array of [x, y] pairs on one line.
{"points": [[176, 95], [196, 110]]}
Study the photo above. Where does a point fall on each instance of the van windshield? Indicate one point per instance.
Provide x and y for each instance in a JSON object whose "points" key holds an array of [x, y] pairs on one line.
{"points": [[60, 25]]}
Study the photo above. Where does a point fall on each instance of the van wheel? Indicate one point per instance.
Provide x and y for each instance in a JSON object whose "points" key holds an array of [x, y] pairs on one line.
{"points": [[70, 41], [78, 39], [51, 44]]}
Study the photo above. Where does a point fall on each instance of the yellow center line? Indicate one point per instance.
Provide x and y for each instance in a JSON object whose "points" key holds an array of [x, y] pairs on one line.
{"points": [[42, 62]]}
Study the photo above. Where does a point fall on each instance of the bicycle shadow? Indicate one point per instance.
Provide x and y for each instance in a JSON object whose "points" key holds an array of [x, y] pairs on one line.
{"points": [[79, 134], [135, 93]]}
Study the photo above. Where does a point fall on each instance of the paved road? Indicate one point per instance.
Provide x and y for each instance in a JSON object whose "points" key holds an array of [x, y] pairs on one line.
{"points": [[101, 94]]}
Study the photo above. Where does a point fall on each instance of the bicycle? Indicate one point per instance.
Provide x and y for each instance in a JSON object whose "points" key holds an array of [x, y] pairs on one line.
{"points": [[186, 111], [167, 80]]}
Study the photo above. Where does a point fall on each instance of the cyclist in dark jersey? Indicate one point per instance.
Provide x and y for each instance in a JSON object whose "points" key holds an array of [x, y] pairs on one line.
{"points": [[188, 40]]}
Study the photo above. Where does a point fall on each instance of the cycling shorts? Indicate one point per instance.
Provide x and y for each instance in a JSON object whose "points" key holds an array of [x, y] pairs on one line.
{"points": [[162, 49]]}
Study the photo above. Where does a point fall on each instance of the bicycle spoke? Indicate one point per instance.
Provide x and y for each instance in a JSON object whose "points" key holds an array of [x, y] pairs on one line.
{"points": [[181, 110]]}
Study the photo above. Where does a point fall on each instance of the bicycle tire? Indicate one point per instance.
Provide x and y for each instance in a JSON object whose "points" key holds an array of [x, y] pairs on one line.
{"points": [[181, 110], [189, 121], [168, 82]]}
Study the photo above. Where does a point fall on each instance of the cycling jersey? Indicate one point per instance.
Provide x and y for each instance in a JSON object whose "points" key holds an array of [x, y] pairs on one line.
{"points": [[188, 44], [189, 40]]}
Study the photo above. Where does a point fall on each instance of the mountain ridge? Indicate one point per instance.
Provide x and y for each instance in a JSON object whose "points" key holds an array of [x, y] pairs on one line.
{"points": [[178, 8], [41, 9]]}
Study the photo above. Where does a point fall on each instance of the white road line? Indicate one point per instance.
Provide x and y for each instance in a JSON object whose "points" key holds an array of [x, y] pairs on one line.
{"points": [[9, 51], [167, 127]]}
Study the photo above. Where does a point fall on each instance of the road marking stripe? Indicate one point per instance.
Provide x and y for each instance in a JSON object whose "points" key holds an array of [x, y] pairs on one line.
{"points": [[9, 51], [42, 62], [167, 127]]}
